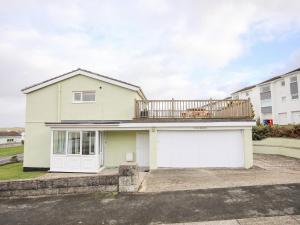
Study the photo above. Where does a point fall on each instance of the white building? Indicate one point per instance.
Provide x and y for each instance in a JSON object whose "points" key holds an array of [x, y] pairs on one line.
{"points": [[276, 99], [10, 137]]}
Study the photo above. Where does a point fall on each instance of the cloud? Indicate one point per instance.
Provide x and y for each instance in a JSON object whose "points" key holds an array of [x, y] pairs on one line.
{"points": [[170, 48]]}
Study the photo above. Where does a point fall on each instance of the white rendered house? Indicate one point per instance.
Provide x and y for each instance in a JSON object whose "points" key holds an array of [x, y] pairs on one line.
{"points": [[275, 99]]}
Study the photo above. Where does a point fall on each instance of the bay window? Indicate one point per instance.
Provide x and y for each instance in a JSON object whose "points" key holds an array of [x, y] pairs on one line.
{"points": [[74, 142]]}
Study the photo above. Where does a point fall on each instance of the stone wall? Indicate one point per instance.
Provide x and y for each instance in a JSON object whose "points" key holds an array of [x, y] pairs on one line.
{"points": [[278, 146], [128, 177], [125, 181], [59, 186]]}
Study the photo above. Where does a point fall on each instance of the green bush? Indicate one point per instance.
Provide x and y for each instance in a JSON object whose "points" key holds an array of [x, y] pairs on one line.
{"points": [[260, 132]]}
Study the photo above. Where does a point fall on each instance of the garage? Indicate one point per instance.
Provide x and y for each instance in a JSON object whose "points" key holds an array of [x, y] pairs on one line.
{"points": [[215, 148]]}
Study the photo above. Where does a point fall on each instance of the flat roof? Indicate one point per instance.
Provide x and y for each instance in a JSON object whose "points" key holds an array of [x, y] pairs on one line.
{"points": [[116, 122]]}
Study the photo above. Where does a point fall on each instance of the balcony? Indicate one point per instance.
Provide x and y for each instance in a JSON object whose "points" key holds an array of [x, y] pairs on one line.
{"points": [[193, 109]]}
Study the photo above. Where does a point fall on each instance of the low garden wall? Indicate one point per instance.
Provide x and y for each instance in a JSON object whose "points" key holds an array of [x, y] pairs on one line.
{"points": [[279, 146], [124, 181]]}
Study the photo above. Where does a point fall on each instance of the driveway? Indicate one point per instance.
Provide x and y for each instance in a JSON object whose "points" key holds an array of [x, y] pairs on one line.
{"points": [[155, 208], [267, 170]]}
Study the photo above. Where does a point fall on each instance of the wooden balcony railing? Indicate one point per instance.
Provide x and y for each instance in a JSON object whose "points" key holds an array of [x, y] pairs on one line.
{"points": [[193, 109]]}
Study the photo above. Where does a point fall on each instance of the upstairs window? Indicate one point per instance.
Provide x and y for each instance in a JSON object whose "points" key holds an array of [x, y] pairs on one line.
{"points": [[294, 87], [265, 93], [84, 96], [282, 83]]}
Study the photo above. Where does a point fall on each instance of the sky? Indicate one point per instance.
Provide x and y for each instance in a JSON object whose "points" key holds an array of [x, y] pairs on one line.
{"points": [[182, 49]]}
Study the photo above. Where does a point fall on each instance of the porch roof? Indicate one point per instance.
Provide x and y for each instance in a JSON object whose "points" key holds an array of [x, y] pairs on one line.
{"points": [[147, 124]]}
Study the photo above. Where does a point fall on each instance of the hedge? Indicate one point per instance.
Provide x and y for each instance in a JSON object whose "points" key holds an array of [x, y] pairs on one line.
{"points": [[260, 132]]}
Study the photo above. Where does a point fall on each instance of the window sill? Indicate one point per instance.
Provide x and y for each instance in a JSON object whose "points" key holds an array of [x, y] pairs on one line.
{"points": [[83, 102]]}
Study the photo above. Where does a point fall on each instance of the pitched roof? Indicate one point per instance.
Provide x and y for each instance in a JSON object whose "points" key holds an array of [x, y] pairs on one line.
{"points": [[245, 88], [268, 80], [80, 71], [280, 76], [9, 133]]}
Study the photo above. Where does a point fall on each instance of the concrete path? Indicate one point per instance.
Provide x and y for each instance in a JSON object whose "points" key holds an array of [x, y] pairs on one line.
{"points": [[275, 220], [6, 159], [267, 170], [155, 208]]}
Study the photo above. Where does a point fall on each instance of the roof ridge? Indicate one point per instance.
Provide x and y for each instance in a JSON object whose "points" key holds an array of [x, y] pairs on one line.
{"points": [[79, 69]]}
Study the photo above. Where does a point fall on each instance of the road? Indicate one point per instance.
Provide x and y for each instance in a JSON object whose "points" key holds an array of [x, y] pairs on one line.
{"points": [[154, 208]]}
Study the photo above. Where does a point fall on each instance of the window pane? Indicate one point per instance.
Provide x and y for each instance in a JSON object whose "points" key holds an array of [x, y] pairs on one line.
{"points": [[59, 142], [88, 142], [267, 109], [294, 88], [265, 95], [74, 143], [293, 79], [88, 96], [77, 96], [265, 89]]}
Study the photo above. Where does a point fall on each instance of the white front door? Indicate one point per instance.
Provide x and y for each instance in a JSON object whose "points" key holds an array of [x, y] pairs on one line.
{"points": [[200, 149], [142, 149]]}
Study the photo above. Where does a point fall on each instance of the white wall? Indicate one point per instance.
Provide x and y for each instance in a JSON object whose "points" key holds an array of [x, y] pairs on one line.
{"points": [[287, 112], [290, 106], [254, 96]]}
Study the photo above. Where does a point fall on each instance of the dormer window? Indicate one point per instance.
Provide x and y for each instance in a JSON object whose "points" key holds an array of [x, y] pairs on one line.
{"points": [[84, 96]]}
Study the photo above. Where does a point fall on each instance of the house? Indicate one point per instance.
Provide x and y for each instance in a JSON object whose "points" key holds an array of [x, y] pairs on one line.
{"points": [[10, 137], [82, 121], [275, 100]]}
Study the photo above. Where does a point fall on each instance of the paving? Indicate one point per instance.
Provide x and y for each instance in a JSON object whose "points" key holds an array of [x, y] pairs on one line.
{"points": [[274, 220], [267, 170], [155, 208]]}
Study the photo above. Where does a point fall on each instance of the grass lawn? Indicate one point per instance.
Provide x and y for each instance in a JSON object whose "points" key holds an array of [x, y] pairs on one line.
{"points": [[11, 150], [15, 171]]}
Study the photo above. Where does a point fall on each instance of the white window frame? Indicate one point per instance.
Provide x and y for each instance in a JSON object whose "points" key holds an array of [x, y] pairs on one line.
{"points": [[296, 81], [81, 97], [80, 147]]}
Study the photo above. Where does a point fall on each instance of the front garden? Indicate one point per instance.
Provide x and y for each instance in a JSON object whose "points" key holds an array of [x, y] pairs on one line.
{"points": [[14, 171], [8, 151]]}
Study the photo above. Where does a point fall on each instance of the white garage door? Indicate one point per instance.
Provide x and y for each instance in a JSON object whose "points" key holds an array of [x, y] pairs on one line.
{"points": [[200, 149]]}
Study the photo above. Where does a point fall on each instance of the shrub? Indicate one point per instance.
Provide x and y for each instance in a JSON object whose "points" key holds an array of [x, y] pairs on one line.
{"points": [[260, 132]]}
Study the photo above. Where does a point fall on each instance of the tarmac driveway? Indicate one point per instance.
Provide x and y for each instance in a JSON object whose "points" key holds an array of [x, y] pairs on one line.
{"points": [[267, 170]]}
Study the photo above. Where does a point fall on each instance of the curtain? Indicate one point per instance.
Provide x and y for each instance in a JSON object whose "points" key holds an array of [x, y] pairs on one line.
{"points": [[59, 141]]}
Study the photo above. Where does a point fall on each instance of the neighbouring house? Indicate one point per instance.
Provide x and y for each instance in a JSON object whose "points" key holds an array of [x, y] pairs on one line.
{"points": [[10, 137], [275, 100], [83, 121]]}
